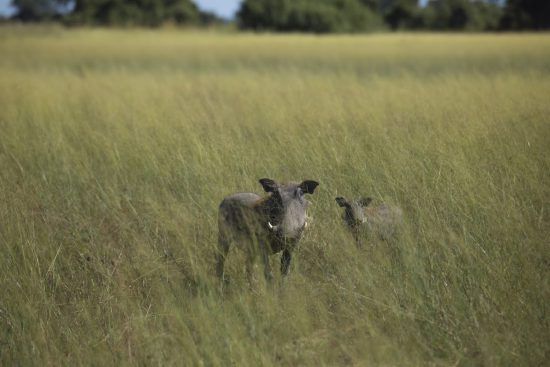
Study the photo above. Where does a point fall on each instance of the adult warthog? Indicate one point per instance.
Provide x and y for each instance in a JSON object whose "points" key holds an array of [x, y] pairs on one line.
{"points": [[265, 225], [381, 220]]}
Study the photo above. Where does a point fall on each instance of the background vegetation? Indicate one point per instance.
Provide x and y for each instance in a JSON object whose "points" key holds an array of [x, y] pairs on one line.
{"points": [[320, 16], [150, 13], [117, 146]]}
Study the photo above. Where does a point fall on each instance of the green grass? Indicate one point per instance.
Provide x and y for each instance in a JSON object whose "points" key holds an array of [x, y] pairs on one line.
{"points": [[116, 148]]}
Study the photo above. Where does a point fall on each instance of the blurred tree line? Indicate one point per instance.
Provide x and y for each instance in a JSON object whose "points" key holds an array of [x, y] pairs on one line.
{"points": [[320, 16], [360, 15], [113, 12]]}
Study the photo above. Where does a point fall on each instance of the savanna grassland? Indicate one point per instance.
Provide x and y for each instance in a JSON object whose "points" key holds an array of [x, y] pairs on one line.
{"points": [[116, 148]]}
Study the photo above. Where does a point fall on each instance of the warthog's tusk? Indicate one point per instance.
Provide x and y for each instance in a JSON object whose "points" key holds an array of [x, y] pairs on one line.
{"points": [[308, 219], [271, 226]]}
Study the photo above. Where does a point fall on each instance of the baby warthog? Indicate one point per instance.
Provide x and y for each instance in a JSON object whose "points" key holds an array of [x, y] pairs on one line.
{"points": [[264, 225], [382, 220]]}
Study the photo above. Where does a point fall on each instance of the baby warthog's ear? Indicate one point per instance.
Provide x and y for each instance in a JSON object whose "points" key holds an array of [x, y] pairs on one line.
{"points": [[308, 186], [364, 201], [268, 184], [341, 201]]}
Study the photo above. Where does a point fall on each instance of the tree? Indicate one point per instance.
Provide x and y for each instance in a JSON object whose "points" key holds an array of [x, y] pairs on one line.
{"points": [[402, 14], [263, 14], [489, 14], [38, 10], [461, 15], [526, 14], [135, 12], [373, 5], [318, 16]]}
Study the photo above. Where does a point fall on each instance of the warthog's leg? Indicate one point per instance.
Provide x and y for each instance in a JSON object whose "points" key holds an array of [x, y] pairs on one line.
{"points": [[286, 257], [265, 258], [223, 248], [250, 258], [357, 237]]}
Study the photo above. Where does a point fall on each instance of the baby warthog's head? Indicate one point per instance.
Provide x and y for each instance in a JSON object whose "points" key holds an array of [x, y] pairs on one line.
{"points": [[285, 208], [354, 213]]}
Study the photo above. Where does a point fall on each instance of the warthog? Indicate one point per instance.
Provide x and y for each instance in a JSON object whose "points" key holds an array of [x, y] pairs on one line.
{"points": [[382, 220], [264, 225]]}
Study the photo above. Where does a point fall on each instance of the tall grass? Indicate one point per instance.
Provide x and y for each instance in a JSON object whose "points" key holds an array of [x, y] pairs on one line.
{"points": [[117, 146]]}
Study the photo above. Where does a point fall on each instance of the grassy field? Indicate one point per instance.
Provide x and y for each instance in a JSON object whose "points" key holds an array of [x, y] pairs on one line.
{"points": [[116, 148]]}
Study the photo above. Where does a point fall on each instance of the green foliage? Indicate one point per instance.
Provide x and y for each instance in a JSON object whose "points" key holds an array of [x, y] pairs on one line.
{"points": [[401, 14], [135, 12], [489, 16], [526, 14], [461, 15], [151, 13], [320, 16], [116, 147], [38, 10], [355, 15]]}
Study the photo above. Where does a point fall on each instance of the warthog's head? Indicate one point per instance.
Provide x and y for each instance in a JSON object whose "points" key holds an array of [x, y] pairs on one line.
{"points": [[285, 207], [354, 213]]}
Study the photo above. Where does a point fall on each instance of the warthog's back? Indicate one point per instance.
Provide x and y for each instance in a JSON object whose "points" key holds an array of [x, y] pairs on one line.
{"points": [[237, 211], [242, 198], [384, 219]]}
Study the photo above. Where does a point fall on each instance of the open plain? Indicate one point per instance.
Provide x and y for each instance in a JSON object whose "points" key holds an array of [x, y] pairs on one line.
{"points": [[116, 147]]}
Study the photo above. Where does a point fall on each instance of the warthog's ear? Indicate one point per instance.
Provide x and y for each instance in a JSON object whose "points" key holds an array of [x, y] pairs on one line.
{"points": [[308, 186], [268, 184], [364, 201], [342, 202]]}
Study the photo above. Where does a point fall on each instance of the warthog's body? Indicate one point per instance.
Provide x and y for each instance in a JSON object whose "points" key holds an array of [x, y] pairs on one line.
{"points": [[382, 220], [263, 225]]}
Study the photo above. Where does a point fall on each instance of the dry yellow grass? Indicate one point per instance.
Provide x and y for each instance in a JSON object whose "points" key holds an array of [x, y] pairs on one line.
{"points": [[117, 146]]}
